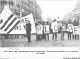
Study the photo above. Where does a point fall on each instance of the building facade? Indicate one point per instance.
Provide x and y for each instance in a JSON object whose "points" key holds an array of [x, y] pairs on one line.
{"points": [[23, 7]]}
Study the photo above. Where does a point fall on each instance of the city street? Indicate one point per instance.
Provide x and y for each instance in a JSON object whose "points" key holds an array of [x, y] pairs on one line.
{"points": [[51, 43]]}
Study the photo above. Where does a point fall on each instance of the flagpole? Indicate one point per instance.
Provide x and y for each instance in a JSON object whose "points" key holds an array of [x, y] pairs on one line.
{"points": [[20, 8]]}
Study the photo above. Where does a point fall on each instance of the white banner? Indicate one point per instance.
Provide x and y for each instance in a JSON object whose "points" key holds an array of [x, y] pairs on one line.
{"points": [[54, 26], [19, 29], [39, 29], [76, 30], [46, 29], [70, 27]]}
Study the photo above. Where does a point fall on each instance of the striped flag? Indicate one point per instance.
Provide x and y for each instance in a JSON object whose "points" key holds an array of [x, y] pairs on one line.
{"points": [[9, 20]]}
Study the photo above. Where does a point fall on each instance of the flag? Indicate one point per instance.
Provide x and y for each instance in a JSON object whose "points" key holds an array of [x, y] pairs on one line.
{"points": [[9, 20]]}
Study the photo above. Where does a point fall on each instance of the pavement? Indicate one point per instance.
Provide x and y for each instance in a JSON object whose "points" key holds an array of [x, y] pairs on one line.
{"points": [[19, 42]]}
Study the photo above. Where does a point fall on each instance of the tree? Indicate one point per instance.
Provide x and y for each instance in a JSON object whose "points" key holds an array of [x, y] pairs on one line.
{"points": [[30, 6]]}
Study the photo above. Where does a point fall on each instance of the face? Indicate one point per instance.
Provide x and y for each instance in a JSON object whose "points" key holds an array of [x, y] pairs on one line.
{"points": [[28, 22]]}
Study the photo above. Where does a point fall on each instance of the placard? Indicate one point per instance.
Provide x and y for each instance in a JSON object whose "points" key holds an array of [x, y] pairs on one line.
{"points": [[46, 29], [39, 29], [63, 27], [54, 26], [76, 30], [70, 27]]}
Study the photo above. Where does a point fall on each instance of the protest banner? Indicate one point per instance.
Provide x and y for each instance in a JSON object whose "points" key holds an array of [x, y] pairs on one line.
{"points": [[70, 28], [19, 29], [39, 29], [75, 30], [46, 29], [54, 26]]}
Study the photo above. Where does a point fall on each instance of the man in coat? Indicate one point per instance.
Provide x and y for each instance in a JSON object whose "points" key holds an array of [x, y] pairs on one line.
{"points": [[28, 30]]}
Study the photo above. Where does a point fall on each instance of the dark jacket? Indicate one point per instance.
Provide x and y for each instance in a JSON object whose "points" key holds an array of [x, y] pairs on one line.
{"points": [[28, 27], [76, 23]]}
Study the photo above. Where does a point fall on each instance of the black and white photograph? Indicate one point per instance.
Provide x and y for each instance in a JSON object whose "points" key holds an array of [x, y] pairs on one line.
{"points": [[39, 23]]}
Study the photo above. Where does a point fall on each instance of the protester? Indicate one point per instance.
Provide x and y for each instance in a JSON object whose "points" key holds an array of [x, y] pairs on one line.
{"points": [[63, 30], [54, 27], [28, 30], [75, 24], [39, 29], [46, 30], [70, 29]]}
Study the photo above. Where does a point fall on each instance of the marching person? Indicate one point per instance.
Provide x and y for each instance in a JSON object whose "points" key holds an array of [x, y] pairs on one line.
{"points": [[28, 30], [76, 34], [64, 28], [46, 30], [70, 29], [60, 28], [54, 27], [39, 29]]}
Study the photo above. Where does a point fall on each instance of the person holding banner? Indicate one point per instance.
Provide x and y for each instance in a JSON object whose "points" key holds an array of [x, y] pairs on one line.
{"points": [[39, 30], [63, 30], [46, 30], [75, 29], [70, 29], [54, 27], [28, 30]]}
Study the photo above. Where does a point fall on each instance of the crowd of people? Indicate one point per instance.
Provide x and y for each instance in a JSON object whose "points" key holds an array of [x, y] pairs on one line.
{"points": [[60, 28], [43, 29]]}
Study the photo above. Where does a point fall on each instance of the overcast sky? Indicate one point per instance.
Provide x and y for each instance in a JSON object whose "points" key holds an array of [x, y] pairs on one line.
{"points": [[55, 8]]}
